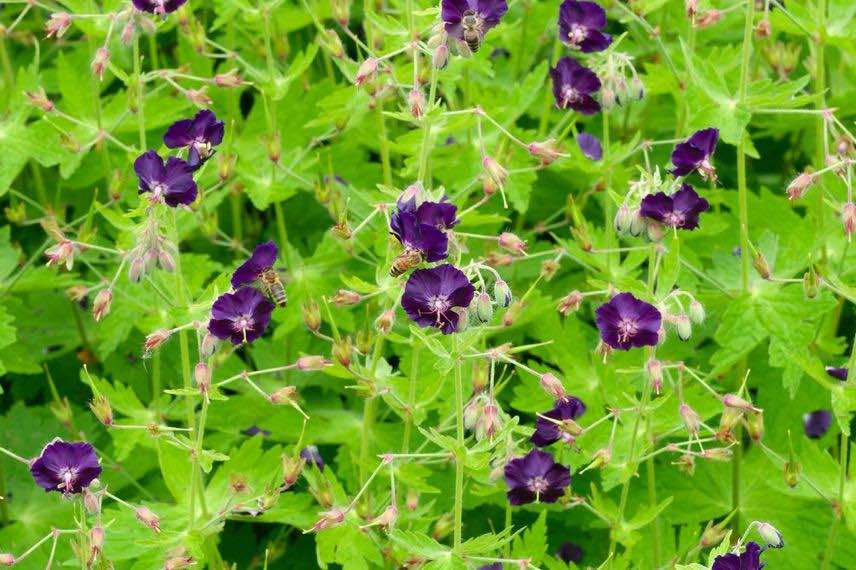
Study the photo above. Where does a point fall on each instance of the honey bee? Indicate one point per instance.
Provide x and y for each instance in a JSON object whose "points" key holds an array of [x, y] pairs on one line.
{"points": [[273, 287], [406, 260], [472, 24]]}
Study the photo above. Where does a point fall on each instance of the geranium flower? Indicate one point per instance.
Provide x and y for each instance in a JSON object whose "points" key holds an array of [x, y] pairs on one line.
{"points": [[680, 210], [422, 228], [817, 423], [590, 146], [580, 25], [750, 559], [68, 467], [626, 322], [171, 182], [199, 135], [547, 432], [312, 456], [536, 477], [262, 259], [573, 85], [159, 7], [431, 297], [695, 154], [837, 373], [242, 316], [478, 15]]}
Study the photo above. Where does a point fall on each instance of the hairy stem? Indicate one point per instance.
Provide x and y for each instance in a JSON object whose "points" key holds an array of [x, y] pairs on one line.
{"points": [[461, 454]]}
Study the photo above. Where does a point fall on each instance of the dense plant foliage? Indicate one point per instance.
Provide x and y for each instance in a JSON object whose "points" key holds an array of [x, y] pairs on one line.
{"points": [[399, 283]]}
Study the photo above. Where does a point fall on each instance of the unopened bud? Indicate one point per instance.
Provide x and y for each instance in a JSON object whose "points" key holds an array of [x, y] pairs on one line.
{"points": [[655, 374], [274, 147], [202, 376], [412, 500], [416, 103], [329, 519], [136, 269], [440, 57], [148, 518], [292, 467], [735, 401], [483, 307], [510, 242], [708, 18], [800, 185], [314, 362], [102, 303], [755, 425], [179, 561], [771, 535], [228, 79], [311, 315], [342, 349], [685, 464], [155, 339], [546, 152], [128, 32], [7, 559], [58, 24], [490, 423], [99, 62], [100, 406], [623, 219], [638, 223], [366, 71], [601, 458], [502, 293], [341, 10], [284, 395], [40, 99], [208, 346], [495, 171], [387, 518], [717, 454], [683, 326], [96, 538], [654, 230], [344, 298], [811, 283], [463, 318], [763, 29], [691, 419], [793, 470], [512, 313], [712, 535], [848, 219], [166, 261], [696, 312], [570, 303], [442, 527], [91, 502], [759, 262], [691, 7], [549, 269], [385, 321], [553, 386]]}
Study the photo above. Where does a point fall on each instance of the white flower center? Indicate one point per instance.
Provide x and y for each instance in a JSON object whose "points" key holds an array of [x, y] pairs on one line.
{"points": [[674, 219], [576, 35], [537, 485], [569, 95], [68, 475], [627, 328]]}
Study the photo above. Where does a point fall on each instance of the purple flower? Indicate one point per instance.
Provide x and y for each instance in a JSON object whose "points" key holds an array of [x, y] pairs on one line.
{"points": [[546, 431], [680, 210], [837, 373], [695, 154], [159, 7], [311, 455], [470, 20], [580, 25], [241, 316], [261, 260], [431, 297], [570, 552], [256, 430], [749, 560], [590, 146], [573, 85], [421, 228], [626, 322], [171, 182], [199, 135], [64, 466], [817, 423], [536, 477]]}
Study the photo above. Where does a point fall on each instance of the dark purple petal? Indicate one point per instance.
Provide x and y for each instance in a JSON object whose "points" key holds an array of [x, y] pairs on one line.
{"points": [[536, 476], [817, 423], [179, 134], [590, 146], [595, 41], [199, 135], [695, 153], [179, 187], [312, 456], [750, 559], [680, 210], [262, 259], [570, 552], [490, 12], [626, 322], [256, 430], [441, 215], [149, 168], [67, 467], [547, 432], [159, 7], [705, 140], [573, 85], [837, 373]]}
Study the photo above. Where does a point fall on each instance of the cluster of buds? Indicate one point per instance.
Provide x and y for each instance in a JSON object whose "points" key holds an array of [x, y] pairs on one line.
{"points": [[735, 410], [151, 250], [620, 82], [782, 57], [482, 415], [494, 175]]}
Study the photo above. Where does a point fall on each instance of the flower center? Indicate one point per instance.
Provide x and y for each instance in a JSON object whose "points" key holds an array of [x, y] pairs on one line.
{"points": [[627, 329], [203, 148], [243, 323], [569, 95], [158, 190], [439, 304], [537, 485], [68, 476], [576, 35], [706, 169], [674, 219]]}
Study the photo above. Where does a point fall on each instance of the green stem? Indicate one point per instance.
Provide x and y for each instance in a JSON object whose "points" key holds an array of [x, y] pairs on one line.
{"points": [[7, 64], [4, 507], [138, 77], [411, 399], [426, 133], [460, 456], [608, 206], [820, 131], [383, 142]]}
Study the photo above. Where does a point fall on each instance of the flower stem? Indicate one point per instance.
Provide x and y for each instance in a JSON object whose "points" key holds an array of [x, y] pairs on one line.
{"points": [[138, 78], [460, 455], [833, 530], [820, 132]]}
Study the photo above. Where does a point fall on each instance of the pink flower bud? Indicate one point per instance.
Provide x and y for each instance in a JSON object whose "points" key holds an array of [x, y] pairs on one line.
{"points": [[440, 57], [99, 62], [63, 252], [7, 559], [208, 345], [308, 363], [708, 18], [228, 79], [148, 518], [202, 376], [553, 386], [800, 185], [166, 261], [690, 418], [329, 519], [494, 171], [96, 538], [412, 500], [128, 31], [101, 305], [58, 24], [570, 303], [198, 97], [100, 406], [655, 374], [40, 99], [344, 297], [547, 152], [284, 395], [385, 321], [136, 270], [291, 469], [510, 242], [366, 71], [387, 518], [691, 7], [848, 218], [735, 401], [416, 102], [155, 339]]}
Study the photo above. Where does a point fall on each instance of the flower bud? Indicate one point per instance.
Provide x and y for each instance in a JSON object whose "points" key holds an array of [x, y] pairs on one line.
{"points": [[274, 147], [386, 519], [329, 519], [717, 454], [208, 346], [654, 369], [310, 363], [480, 375], [311, 315], [800, 185], [755, 425], [155, 339], [510, 242], [166, 261], [497, 259], [483, 307], [763, 29], [63, 252], [735, 401], [344, 298], [683, 326], [96, 538], [685, 464], [601, 458], [331, 42], [148, 518], [99, 62], [385, 321], [691, 419], [759, 262], [366, 71], [91, 502], [848, 218], [342, 349], [57, 24], [7, 559], [696, 312], [128, 31], [570, 303], [811, 283], [341, 10], [440, 57], [771, 535], [100, 406], [512, 313], [546, 152], [229, 79], [136, 270], [284, 395], [549, 269], [793, 470], [40, 99], [412, 500], [463, 318], [712, 535], [638, 223], [363, 341], [494, 171], [654, 230], [502, 293], [708, 18], [442, 527], [623, 219], [729, 419], [202, 376], [473, 411], [490, 424], [292, 467], [101, 305], [553, 386], [416, 103]]}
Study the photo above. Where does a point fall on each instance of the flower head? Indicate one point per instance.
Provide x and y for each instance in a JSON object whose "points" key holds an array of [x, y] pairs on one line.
{"points": [[547, 431], [695, 154], [626, 322], [590, 146], [536, 477], [580, 25], [570, 552], [64, 466], [573, 85], [465, 17], [241, 317], [680, 210], [159, 7], [837, 373], [199, 135], [817, 423], [311, 455], [421, 228], [432, 295], [171, 182], [262, 259], [750, 559]]}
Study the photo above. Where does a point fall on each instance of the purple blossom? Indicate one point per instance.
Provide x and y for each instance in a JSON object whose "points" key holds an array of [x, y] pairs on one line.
{"points": [[837, 373], [476, 15], [171, 182], [159, 7], [242, 316], [421, 228], [580, 25], [199, 135], [817, 423], [695, 154], [573, 85], [311, 455], [590, 146], [546, 431], [262, 259], [680, 210], [67, 467], [626, 322], [536, 477], [570, 552], [431, 297], [256, 430], [750, 559]]}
